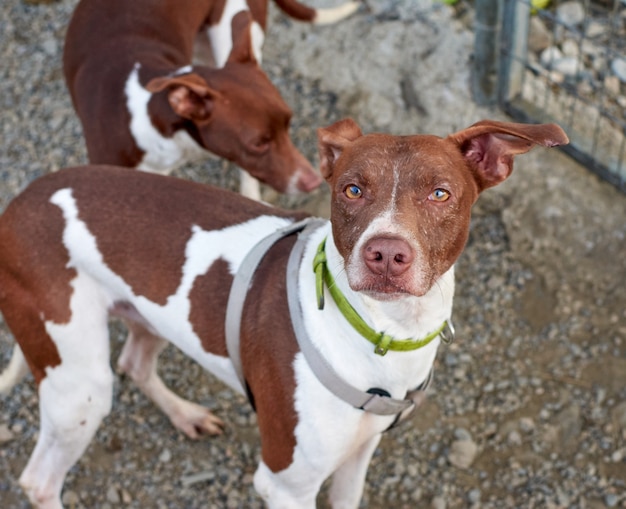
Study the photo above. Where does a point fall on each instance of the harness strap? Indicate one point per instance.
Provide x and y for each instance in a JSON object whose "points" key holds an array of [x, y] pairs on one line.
{"points": [[239, 290]]}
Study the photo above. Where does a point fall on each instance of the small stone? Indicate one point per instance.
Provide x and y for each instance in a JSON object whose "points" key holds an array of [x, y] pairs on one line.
{"points": [[595, 28], [569, 423], [618, 415], [611, 500], [567, 66], [474, 496], [539, 37], [200, 477], [617, 456], [514, 438], [618, 66], [526, 424], [416, 495], [70, 498], [126, 497], [113, 495], [50, 47], [462, 453], [462, 434], [165, 456], [438, 503], [550, 55], [570, 13], [570, 48], [6, 435]]}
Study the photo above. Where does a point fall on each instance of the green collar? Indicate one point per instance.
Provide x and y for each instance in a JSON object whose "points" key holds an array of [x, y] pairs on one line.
{"points": [[383, 342]]}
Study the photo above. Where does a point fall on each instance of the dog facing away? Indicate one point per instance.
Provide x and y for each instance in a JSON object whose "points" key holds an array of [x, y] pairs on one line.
{"points": [[142, 104], [82, 244]]}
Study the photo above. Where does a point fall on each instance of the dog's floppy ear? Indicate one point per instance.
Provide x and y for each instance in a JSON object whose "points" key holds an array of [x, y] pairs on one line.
{"points": [[489, 146], [332, 140], [189, 95], [242, 51]]}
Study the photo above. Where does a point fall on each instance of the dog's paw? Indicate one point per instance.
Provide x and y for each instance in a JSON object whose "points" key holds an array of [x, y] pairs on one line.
{"points": [[197, 420]]}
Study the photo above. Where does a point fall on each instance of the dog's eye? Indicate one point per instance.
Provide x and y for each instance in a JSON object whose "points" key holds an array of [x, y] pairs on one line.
{"points": [[353, 192], [262, 144], [439, 195]]}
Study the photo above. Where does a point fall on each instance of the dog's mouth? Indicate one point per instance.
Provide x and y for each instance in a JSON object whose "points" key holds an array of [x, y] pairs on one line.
{"points": [[386, 296], [387, 291]]}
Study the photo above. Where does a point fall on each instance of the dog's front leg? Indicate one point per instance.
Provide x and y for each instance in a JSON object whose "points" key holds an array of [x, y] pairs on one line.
{"points": [[293, 488], [139, 360], [349, 479], [249, 186]]}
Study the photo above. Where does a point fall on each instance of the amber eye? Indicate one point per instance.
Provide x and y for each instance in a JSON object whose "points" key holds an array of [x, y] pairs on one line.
{"points": [[353, 192], [439, 195]]}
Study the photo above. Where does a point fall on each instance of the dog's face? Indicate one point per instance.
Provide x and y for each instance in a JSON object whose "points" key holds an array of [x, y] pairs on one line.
{"points": [[238, 114], [250, 126], [402, 204]]}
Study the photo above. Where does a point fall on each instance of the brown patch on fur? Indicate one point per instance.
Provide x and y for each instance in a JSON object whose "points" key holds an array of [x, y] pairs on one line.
{"points": [[31, 252], [268, 365], [209, 296], [140, 240]]}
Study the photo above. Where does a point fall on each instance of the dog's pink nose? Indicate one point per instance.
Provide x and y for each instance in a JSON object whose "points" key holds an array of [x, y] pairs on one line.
{"points": [[387, 256], [308, 180]]}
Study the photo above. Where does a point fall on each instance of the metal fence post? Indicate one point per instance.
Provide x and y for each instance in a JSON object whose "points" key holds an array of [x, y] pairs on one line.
{"points": [[514, 50], [486, 51]]}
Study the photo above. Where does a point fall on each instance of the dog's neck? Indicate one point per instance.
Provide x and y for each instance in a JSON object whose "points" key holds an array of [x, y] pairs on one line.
{"points": [[407, 317]]}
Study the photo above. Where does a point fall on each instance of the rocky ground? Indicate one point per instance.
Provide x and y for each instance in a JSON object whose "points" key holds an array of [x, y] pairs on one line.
{"points": [[528, 408]]}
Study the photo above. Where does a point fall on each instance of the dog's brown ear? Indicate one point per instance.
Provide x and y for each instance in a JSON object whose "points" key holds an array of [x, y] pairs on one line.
{"points": [[489, 146], [189, 95], [241, 27], [332, 140]]}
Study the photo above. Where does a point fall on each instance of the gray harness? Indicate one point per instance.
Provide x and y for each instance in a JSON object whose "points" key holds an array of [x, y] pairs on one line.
{"points": [[375, 400]]}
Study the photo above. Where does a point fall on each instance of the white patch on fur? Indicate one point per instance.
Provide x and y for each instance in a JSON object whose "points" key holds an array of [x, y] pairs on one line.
{"points": [[170, 321], [75, 395], [162, 155], [221, 35], [183, 70], [258, 39]]}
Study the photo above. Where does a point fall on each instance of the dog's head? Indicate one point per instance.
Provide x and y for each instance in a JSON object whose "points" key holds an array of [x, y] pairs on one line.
{"points": [[401, 204], [238, 114]]}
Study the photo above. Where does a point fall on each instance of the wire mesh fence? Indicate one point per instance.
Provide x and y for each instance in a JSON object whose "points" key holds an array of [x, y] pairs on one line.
{"points": [[566, 63]]}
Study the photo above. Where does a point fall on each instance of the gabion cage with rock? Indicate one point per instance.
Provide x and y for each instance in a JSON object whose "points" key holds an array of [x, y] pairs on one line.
{"points": [[566, 62]]}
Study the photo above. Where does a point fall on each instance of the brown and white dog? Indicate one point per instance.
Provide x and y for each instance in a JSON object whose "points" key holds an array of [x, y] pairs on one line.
{"points": [[143, 105], [82, 244]]}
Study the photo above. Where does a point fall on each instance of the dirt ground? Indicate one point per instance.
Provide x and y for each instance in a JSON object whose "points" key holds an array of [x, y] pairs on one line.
{"points": [[528, 407]]}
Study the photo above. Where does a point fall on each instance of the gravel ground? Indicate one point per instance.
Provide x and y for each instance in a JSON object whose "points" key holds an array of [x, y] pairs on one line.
{"points": [[528, 407]]}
